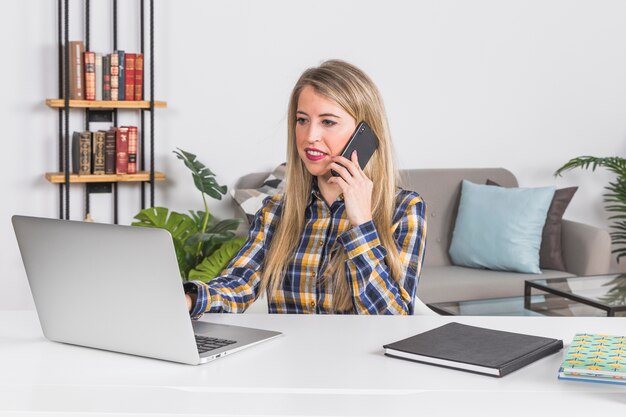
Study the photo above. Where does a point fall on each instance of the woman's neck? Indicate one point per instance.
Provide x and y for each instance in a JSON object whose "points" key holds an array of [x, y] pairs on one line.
{"points": [[330, 192]]}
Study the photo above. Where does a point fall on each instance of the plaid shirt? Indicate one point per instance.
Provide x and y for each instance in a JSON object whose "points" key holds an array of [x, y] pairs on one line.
{"points": [[326, 229]]}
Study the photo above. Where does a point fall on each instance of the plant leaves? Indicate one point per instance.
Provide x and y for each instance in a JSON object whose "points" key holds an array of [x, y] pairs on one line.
{"points": [[203, 178], [212, 265]]}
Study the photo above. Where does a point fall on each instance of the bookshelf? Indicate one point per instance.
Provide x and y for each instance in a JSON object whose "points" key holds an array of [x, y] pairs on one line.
{"points": [[103, 111], [103, 104], [59, 177]]}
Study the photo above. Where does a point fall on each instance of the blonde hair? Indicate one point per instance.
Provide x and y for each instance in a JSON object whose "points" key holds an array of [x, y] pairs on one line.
{"points": [[355, 92]]}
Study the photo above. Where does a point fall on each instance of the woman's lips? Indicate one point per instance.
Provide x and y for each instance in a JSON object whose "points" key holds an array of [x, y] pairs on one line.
{"points": [[314, 154]]}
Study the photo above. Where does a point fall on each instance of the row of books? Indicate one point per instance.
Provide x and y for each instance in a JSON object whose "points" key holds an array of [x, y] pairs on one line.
{"points": [[97, 76], [112, 151]]}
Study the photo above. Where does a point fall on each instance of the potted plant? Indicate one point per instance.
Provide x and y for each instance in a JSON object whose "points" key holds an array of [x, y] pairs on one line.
{"points": [[203, 244], [615, 196]]}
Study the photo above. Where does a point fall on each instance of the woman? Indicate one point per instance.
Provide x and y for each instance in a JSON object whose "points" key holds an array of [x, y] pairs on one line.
{"points": [[353, 243]]}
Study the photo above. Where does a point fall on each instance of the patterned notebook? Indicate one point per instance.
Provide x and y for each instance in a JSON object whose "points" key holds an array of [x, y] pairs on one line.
{"points": [[595, 358]]}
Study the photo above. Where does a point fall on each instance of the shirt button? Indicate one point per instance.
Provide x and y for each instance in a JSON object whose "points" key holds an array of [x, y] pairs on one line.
{"points": [[312, 304], [321, 243]]}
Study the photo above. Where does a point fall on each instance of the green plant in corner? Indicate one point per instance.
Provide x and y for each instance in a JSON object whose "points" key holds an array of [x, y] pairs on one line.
{"points": [[203, 245], [615, 197]]}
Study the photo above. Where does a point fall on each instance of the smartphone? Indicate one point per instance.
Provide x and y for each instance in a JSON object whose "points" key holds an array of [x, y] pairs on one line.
{"points": [[364, 141]]}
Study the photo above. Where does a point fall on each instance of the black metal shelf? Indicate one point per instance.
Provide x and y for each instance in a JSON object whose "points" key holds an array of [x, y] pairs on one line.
{"points": [[92, 109]]}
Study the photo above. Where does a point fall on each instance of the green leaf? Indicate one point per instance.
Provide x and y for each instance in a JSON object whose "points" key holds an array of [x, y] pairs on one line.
{"points": [[211, 266], [225, 226], [203, 178]]}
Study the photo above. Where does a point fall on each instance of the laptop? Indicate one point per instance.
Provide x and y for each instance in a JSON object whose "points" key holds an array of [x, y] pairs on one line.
{"points": [[118, 288]]}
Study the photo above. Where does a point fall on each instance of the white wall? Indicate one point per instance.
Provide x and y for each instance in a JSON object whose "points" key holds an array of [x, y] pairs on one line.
{"points": [[520, 84]]}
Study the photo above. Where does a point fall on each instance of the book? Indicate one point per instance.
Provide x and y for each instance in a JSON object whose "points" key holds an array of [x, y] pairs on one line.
{"points": [[121, 145], [98, 76], [90, 76], [139, 77], [76, 70], [115, 75], [129, 77], [81, 153], [106, 77], [121, 62], [98, 152], [110, 155], [132, 149], [474, 349], [595, 358]]}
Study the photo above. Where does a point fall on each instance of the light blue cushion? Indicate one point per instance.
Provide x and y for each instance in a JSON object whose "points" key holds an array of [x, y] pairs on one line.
{"points": [[500, 228]]}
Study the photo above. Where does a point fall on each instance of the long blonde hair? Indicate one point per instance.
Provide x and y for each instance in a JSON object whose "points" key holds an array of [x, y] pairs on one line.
{"points": [[355, 92]]}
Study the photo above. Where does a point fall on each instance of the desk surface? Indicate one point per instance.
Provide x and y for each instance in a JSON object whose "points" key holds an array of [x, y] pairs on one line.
{"points": [[322, 365]]}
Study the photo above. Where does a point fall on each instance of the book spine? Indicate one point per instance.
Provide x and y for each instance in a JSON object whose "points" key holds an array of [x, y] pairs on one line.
{"points": [[139, 77], [110, 155], [75, 152], [106, 77], [122, 74], [122, 150], [76, 70], [98, 152], [132, 149], [84, 167], [129, 77], [90, 76], [115, 76], [98, 76]]}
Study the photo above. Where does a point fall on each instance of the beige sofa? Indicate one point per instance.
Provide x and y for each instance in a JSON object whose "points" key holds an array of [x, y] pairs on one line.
{"points": [[586, 249]]}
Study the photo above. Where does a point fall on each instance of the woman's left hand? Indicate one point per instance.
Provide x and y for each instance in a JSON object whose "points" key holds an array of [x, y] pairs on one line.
{"points": [[356, 187]]}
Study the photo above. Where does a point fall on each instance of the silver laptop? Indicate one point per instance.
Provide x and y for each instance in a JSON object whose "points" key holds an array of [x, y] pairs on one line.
{"points": [[118, 288]]}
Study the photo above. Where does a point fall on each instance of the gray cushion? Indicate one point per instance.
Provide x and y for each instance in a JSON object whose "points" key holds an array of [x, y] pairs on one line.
{"points": [[250, 200]]}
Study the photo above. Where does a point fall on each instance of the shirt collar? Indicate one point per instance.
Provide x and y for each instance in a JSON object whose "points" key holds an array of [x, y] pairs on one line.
{"points": [[316, 193]]}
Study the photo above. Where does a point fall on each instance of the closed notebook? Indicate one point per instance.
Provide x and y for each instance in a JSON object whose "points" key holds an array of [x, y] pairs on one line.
{"points": [[474, 349], [595, 358]]}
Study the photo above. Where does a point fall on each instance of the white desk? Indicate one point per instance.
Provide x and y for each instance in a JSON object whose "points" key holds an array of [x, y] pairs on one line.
{"points": [[322, 365]]}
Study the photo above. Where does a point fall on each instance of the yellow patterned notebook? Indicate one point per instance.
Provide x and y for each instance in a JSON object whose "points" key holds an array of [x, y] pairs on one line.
{"points": [[595, 358]]}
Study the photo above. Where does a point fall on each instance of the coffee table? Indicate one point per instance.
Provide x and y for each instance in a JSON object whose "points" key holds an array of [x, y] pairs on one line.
{"points": [[505, 306], [606, 293]]}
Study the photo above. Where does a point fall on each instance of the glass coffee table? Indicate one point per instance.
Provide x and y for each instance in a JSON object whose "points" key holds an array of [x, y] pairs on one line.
{"points": [[605, 293], [602, 295], [505, 306]]}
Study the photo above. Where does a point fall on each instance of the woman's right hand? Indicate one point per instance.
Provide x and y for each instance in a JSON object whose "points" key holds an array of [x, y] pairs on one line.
{"points": [[189, 302]]}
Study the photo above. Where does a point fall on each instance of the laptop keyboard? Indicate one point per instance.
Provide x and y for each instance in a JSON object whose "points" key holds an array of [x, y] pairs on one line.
{"points": [[206, 344]]}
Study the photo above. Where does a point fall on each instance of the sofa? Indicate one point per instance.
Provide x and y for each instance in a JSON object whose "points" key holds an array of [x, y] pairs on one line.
{"points": [[586, 249]]}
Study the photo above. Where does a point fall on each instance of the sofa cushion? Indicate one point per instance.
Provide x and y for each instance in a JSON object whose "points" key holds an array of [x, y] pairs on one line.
{"points": [[551, 253], [441, 190], [251, 199], [456, 283], [500, 228]]}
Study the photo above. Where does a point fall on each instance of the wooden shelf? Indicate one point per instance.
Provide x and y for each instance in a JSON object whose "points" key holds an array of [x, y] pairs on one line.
{"points": [[59, 177], [104, 104]]}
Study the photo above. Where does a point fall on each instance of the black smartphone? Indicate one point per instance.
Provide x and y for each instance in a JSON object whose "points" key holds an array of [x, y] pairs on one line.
{"points": [[364, 141]]}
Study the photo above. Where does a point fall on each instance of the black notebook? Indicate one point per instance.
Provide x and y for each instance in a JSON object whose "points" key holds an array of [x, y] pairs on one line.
{"points": [[474, 349]]}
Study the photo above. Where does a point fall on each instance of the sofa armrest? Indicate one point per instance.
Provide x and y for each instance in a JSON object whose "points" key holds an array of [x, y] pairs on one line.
{"points": [[586, 249]]}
